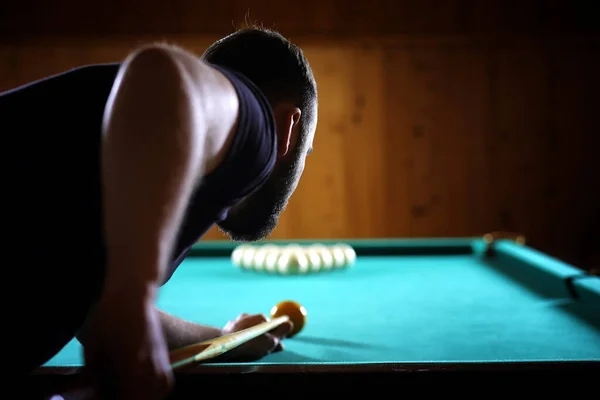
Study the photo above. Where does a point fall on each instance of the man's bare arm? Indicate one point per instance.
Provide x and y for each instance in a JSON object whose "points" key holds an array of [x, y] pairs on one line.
{"points": [[161, 134], [178, 332]]}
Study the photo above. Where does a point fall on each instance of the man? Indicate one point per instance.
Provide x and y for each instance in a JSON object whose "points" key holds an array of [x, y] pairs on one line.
{"points": [[119, 169]]}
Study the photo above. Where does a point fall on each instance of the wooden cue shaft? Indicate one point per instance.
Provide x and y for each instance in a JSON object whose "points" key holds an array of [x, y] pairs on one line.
{"points": [[218, 346]]}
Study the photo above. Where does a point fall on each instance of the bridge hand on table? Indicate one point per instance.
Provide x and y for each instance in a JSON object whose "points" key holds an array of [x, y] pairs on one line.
{"points": [[127, 360], [258, 347]]}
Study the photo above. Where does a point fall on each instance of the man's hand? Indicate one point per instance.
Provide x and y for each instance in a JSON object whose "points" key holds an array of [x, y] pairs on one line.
{"points": [[258, 347], [125, 352]]}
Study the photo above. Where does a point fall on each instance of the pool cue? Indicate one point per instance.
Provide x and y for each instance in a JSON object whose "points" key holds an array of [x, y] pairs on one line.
{"points": [[201, 351], [212, 348]]}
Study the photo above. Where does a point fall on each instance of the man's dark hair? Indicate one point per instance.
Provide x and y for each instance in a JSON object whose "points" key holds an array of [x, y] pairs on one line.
{"points": [[275, 65]]}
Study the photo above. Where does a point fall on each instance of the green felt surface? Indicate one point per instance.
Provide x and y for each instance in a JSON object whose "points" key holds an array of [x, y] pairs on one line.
{"points": [[402, 309]]}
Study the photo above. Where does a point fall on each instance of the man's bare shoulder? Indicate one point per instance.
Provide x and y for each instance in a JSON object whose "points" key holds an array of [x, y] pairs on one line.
{"points": [[215, 96]]}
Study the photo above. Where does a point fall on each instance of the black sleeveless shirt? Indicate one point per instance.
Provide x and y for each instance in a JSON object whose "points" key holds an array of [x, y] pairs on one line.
{"points": [[51, 134]]}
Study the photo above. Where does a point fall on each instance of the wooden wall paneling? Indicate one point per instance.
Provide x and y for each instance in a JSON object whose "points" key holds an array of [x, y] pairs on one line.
{"points": [[568, 129], [100, 53], [422, 80], [398, 153], [458, 147], [520, 131], [425, 137], [574, 195], [38, 61], [363, 148], [431, 139], [318, 204]]}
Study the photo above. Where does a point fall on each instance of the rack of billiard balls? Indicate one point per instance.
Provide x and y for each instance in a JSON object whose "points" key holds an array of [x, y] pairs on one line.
{"points": [[286, 259]]}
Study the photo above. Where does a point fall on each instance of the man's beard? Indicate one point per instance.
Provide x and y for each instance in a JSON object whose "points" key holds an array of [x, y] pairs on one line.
{"points": [[257, 216]]}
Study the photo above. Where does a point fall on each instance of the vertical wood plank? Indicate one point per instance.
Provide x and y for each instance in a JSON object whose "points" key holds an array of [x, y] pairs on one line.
{"points": [[398, 153], [459, 158], [363, 149], [318, 199], [522, 136]]}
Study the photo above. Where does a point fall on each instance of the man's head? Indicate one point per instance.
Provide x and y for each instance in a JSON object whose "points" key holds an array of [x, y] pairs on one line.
{"points": [[282, 73]]}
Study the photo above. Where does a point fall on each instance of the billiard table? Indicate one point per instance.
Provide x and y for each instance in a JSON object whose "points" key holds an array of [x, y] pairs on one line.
{"points": [[408, 311]]}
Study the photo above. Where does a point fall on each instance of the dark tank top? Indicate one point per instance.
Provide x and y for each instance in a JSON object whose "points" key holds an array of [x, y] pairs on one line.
{"points": [[52, 132]]}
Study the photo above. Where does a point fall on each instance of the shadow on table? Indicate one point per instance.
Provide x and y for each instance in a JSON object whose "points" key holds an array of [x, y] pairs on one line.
{"points": [[588, 314], [287, 356], [331, 342]]}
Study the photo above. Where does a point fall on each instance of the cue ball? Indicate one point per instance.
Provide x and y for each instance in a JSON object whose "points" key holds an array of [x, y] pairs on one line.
{"points": [[296, 312]]}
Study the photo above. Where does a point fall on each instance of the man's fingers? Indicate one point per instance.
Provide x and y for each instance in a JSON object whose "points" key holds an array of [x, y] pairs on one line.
{"points": [[279, 347], [282, 330], [245, 321], [257, 347], [261, 345], [255, 319]]}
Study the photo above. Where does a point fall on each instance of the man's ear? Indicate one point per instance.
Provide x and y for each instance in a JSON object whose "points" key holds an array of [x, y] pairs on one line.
{"points": [[286, 121]]}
